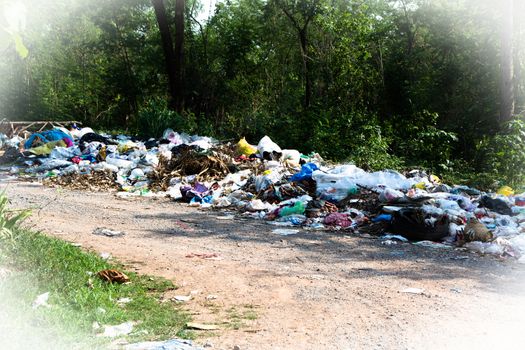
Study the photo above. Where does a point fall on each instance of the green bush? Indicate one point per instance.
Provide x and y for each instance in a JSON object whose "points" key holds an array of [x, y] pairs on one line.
{"points": [[356, 138], [9, 219], [420, 142], [155, 117], [503, 155]]}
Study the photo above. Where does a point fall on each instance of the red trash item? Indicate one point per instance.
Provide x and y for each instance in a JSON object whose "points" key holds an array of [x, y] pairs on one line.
{"points": [[338, 219]]}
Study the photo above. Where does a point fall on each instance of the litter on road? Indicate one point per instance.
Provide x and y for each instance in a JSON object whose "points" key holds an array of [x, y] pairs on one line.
{"points": [[413, 291], [201, 326], [285, 232], [101, 231], [41, 300], [283, 187], [113, 276], [118, 330], [172, 344]]}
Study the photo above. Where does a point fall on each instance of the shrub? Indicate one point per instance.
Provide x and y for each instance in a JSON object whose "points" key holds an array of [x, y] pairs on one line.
{"points": [[355, 137], [420, 142], [9, 219], [155, 117], [503, 154]]}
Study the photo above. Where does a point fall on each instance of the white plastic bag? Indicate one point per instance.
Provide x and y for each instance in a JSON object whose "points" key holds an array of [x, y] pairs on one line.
{"points": [[266, 145]]}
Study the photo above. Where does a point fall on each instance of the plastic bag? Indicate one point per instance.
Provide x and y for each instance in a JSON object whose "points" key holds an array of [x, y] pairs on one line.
{"points": [[334, 187], [485, 247], [518, 243], [83, 131], [103, 166], [348, 170], [268, 149], [65, 153], [245, 148], [305, 173], [291, 155], [388, 178], [338, 219], [120, 163], [297, 208], [49, 164], [203, 143], [38, 139], [47, 148], [72, 169], [136, 174], [389, 195], [262, 182], [258, 205], [291, 220], [506, 231], [175, 138], [505, 191], [196, 192], [447, 204]]}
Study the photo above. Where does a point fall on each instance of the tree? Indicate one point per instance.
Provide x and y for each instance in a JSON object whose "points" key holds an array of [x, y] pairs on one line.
{"points": [[179, 54], [507, 65], [301, 13], [169, 54]]}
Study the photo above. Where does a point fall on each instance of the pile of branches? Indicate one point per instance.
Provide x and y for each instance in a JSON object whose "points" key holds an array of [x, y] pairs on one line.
{"points": [[366, 200], [186, 161], [94, 182]]}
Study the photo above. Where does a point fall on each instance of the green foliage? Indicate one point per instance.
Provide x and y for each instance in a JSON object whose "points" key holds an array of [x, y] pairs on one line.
{"points": [[420, 142], [503, 154], [360, 140], [9, 219], [77, 295], [372, 149], [155, 117], [410, 83]]}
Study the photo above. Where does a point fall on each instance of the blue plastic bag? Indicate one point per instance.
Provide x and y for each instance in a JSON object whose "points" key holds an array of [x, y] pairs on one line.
{"points": [[46, 136], [305, 173]]}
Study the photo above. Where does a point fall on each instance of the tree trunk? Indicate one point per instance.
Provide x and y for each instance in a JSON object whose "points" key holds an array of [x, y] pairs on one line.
{"points": [[132, 91], [519, 96], [506, 82], [306, 68], [302, 32], [167, 46], [179, 53]]}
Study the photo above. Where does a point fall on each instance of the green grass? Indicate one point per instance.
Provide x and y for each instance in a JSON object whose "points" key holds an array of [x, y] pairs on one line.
{"points": [[78, 297], [236, 318]]}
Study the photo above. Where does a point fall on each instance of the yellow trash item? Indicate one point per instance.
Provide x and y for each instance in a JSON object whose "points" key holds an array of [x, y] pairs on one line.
{"points": [[505, 191], [435, 180], [47, 148], [102, 153], [421, 185], [123, 147], [245, 148]]}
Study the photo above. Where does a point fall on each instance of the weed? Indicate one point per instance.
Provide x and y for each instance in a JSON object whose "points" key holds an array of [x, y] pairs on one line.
{"points": [[79, 298], [9, 219], [236, 319]]}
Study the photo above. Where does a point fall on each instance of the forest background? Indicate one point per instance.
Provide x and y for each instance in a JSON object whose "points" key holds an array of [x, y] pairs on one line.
{"points": [[437, 85]]}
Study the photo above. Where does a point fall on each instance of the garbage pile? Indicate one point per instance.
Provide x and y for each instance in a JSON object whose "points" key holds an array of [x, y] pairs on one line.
{"points": [[282, 186]]}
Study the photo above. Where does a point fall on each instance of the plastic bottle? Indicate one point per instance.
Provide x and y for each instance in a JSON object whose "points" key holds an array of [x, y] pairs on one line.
{"points": [[120, 163]]}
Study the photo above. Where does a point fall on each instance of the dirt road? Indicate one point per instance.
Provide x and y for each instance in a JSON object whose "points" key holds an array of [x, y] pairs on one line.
{"points": [[311, 290]]}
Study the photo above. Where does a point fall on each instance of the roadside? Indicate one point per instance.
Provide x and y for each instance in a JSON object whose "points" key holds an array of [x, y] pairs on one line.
{"points": [[52, 297], [22, 327], [312, 290]]}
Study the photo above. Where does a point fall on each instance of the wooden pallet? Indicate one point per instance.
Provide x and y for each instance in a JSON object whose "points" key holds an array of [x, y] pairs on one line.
{"points": [[22, 128]]}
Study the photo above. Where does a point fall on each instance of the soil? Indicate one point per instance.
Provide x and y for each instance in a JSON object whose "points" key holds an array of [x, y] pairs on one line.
{"points": [[310, 290]]}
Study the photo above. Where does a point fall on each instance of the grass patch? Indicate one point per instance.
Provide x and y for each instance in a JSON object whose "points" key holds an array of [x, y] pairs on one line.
{"points": [[236, 318], [78, 297]]}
